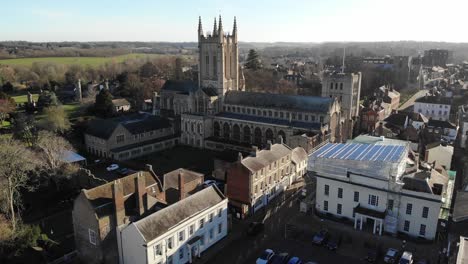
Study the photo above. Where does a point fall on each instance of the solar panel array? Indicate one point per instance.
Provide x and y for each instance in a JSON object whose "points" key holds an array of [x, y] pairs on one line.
{"points": [[363, 152]]}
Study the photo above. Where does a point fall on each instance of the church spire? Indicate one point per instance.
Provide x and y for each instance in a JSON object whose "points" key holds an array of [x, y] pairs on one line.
{"points": [[234, 30], [200, 28], [220, 29], [215, 28]]}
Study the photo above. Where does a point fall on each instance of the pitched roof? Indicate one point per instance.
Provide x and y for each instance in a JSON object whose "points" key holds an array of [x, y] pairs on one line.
{"points": [[171, 179], [210, 91], [120, 102], [434, 100], [265, 157], [134, 123], [283, 101], [396, 119], [182, 86], [161, 221], [269, 120], [460, 210], [298, 154], [441, 123], [424, 181]]}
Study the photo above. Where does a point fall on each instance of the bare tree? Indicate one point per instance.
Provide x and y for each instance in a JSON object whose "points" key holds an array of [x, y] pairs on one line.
{"points": [[52, 152], [17, 165]]}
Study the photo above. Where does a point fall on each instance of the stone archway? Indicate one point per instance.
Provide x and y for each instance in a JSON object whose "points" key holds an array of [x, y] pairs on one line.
{"points": [[283, 135], [269, 135], [247, 134], [258, 136]]}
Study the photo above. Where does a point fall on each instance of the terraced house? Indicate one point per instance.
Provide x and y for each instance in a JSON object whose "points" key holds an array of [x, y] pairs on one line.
{"points": [[130, 136]]}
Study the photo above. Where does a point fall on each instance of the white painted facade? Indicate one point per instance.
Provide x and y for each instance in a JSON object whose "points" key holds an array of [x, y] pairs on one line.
{"points": [[180, 244], [372, 194], [433, 110], [463, 124]]}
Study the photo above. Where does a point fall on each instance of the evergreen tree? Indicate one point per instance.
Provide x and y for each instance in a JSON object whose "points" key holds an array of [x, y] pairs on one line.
{"points": [[46, 99], [103, 105], [253, 61]]}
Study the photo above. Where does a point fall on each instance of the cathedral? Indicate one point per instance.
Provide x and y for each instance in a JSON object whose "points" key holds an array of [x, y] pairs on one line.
{"points": [[219, 112]]}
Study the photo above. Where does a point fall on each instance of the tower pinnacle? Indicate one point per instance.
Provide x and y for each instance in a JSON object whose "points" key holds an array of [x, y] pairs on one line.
{"points": [[200, 29], [220, 29], [215, 28]]}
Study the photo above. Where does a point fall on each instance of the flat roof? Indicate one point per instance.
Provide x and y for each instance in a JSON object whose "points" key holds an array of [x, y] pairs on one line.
{"points": [[362, 152]]}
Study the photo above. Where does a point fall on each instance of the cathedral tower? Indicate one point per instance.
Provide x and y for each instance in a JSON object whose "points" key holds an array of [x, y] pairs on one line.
{"points": [[218, 65]]}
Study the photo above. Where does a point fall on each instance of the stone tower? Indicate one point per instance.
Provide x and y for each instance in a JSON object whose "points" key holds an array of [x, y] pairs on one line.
{"points": [[218, 58]]}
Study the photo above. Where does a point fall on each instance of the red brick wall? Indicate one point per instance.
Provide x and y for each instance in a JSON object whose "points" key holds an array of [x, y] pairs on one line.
{"points": [[238, 187]]}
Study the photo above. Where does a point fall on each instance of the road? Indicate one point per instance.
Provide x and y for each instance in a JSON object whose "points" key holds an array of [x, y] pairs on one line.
{"points": [[410, 102], [247, 249]]}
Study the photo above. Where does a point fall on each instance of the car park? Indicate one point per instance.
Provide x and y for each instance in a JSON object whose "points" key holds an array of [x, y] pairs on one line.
{"points": [[406, 258], [372, 255], [265, 257], [391, 256], [320, 238], [112, 167], [281, 258], [255, 228], [294, 260], [333, 243]]}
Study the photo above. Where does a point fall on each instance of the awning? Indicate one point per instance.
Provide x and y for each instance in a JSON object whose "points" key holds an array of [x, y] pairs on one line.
{"points": [[369, 212]]}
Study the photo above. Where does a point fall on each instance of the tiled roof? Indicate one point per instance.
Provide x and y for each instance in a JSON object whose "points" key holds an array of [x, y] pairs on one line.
{"points": [[441, 124], [273, 121], [298, 155], [160, 222], [434, 100], [265, 157], [282, 101], [171, 179], [180, 86], [134, 123]]}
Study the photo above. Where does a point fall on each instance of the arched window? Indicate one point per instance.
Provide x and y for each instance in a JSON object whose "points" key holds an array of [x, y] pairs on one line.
{"points": [[283, 135], [258, 136], [247, 134], [269, 135], [216, 129], [236, 132], [226, 131]]}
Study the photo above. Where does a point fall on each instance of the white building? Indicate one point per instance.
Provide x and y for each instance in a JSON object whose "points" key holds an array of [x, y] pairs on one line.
{"points": [[367, 184], [435, 107], [177, 233], [463, 124]]}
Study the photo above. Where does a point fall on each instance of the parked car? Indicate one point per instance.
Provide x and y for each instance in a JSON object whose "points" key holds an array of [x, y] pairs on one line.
{"points": [[334, 242], [122, 171], [391, 255], [294, 260], [265, 257], [320, 238], [112, 167], [255, 228], [372, 255], [281, 258], [406, 258]]}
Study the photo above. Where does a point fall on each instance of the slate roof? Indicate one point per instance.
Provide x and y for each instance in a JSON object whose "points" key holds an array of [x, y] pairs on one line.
{"points": [[424, 181], [144, 143], [441, 123], [265, 157], [158, 223], [396, 119], [134, 123], [283, 101], [210, 91], [182, 86], [273, 121], [460, 211], [434, 100], [171, 179], [298, 155]]}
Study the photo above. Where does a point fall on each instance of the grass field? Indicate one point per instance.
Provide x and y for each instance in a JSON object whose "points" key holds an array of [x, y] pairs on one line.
{"points": [[91, 61], [19, 99]]}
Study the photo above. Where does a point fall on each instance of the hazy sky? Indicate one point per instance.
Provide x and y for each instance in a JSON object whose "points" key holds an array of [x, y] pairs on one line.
{"points": [[258, 20]]}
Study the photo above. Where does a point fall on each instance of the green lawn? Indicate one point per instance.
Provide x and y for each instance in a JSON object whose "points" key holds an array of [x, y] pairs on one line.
{"points": [[19, 99], [91, 61]]}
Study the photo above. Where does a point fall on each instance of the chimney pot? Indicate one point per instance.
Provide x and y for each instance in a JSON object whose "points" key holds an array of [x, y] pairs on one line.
{"points": [[181, 183]]}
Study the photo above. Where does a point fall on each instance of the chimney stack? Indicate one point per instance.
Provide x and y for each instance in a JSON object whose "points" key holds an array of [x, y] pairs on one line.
{"points": [[181, 183], [254, 151], [118, 197], [280, 139], [140, 192], [269, 144], [239, 156]]}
